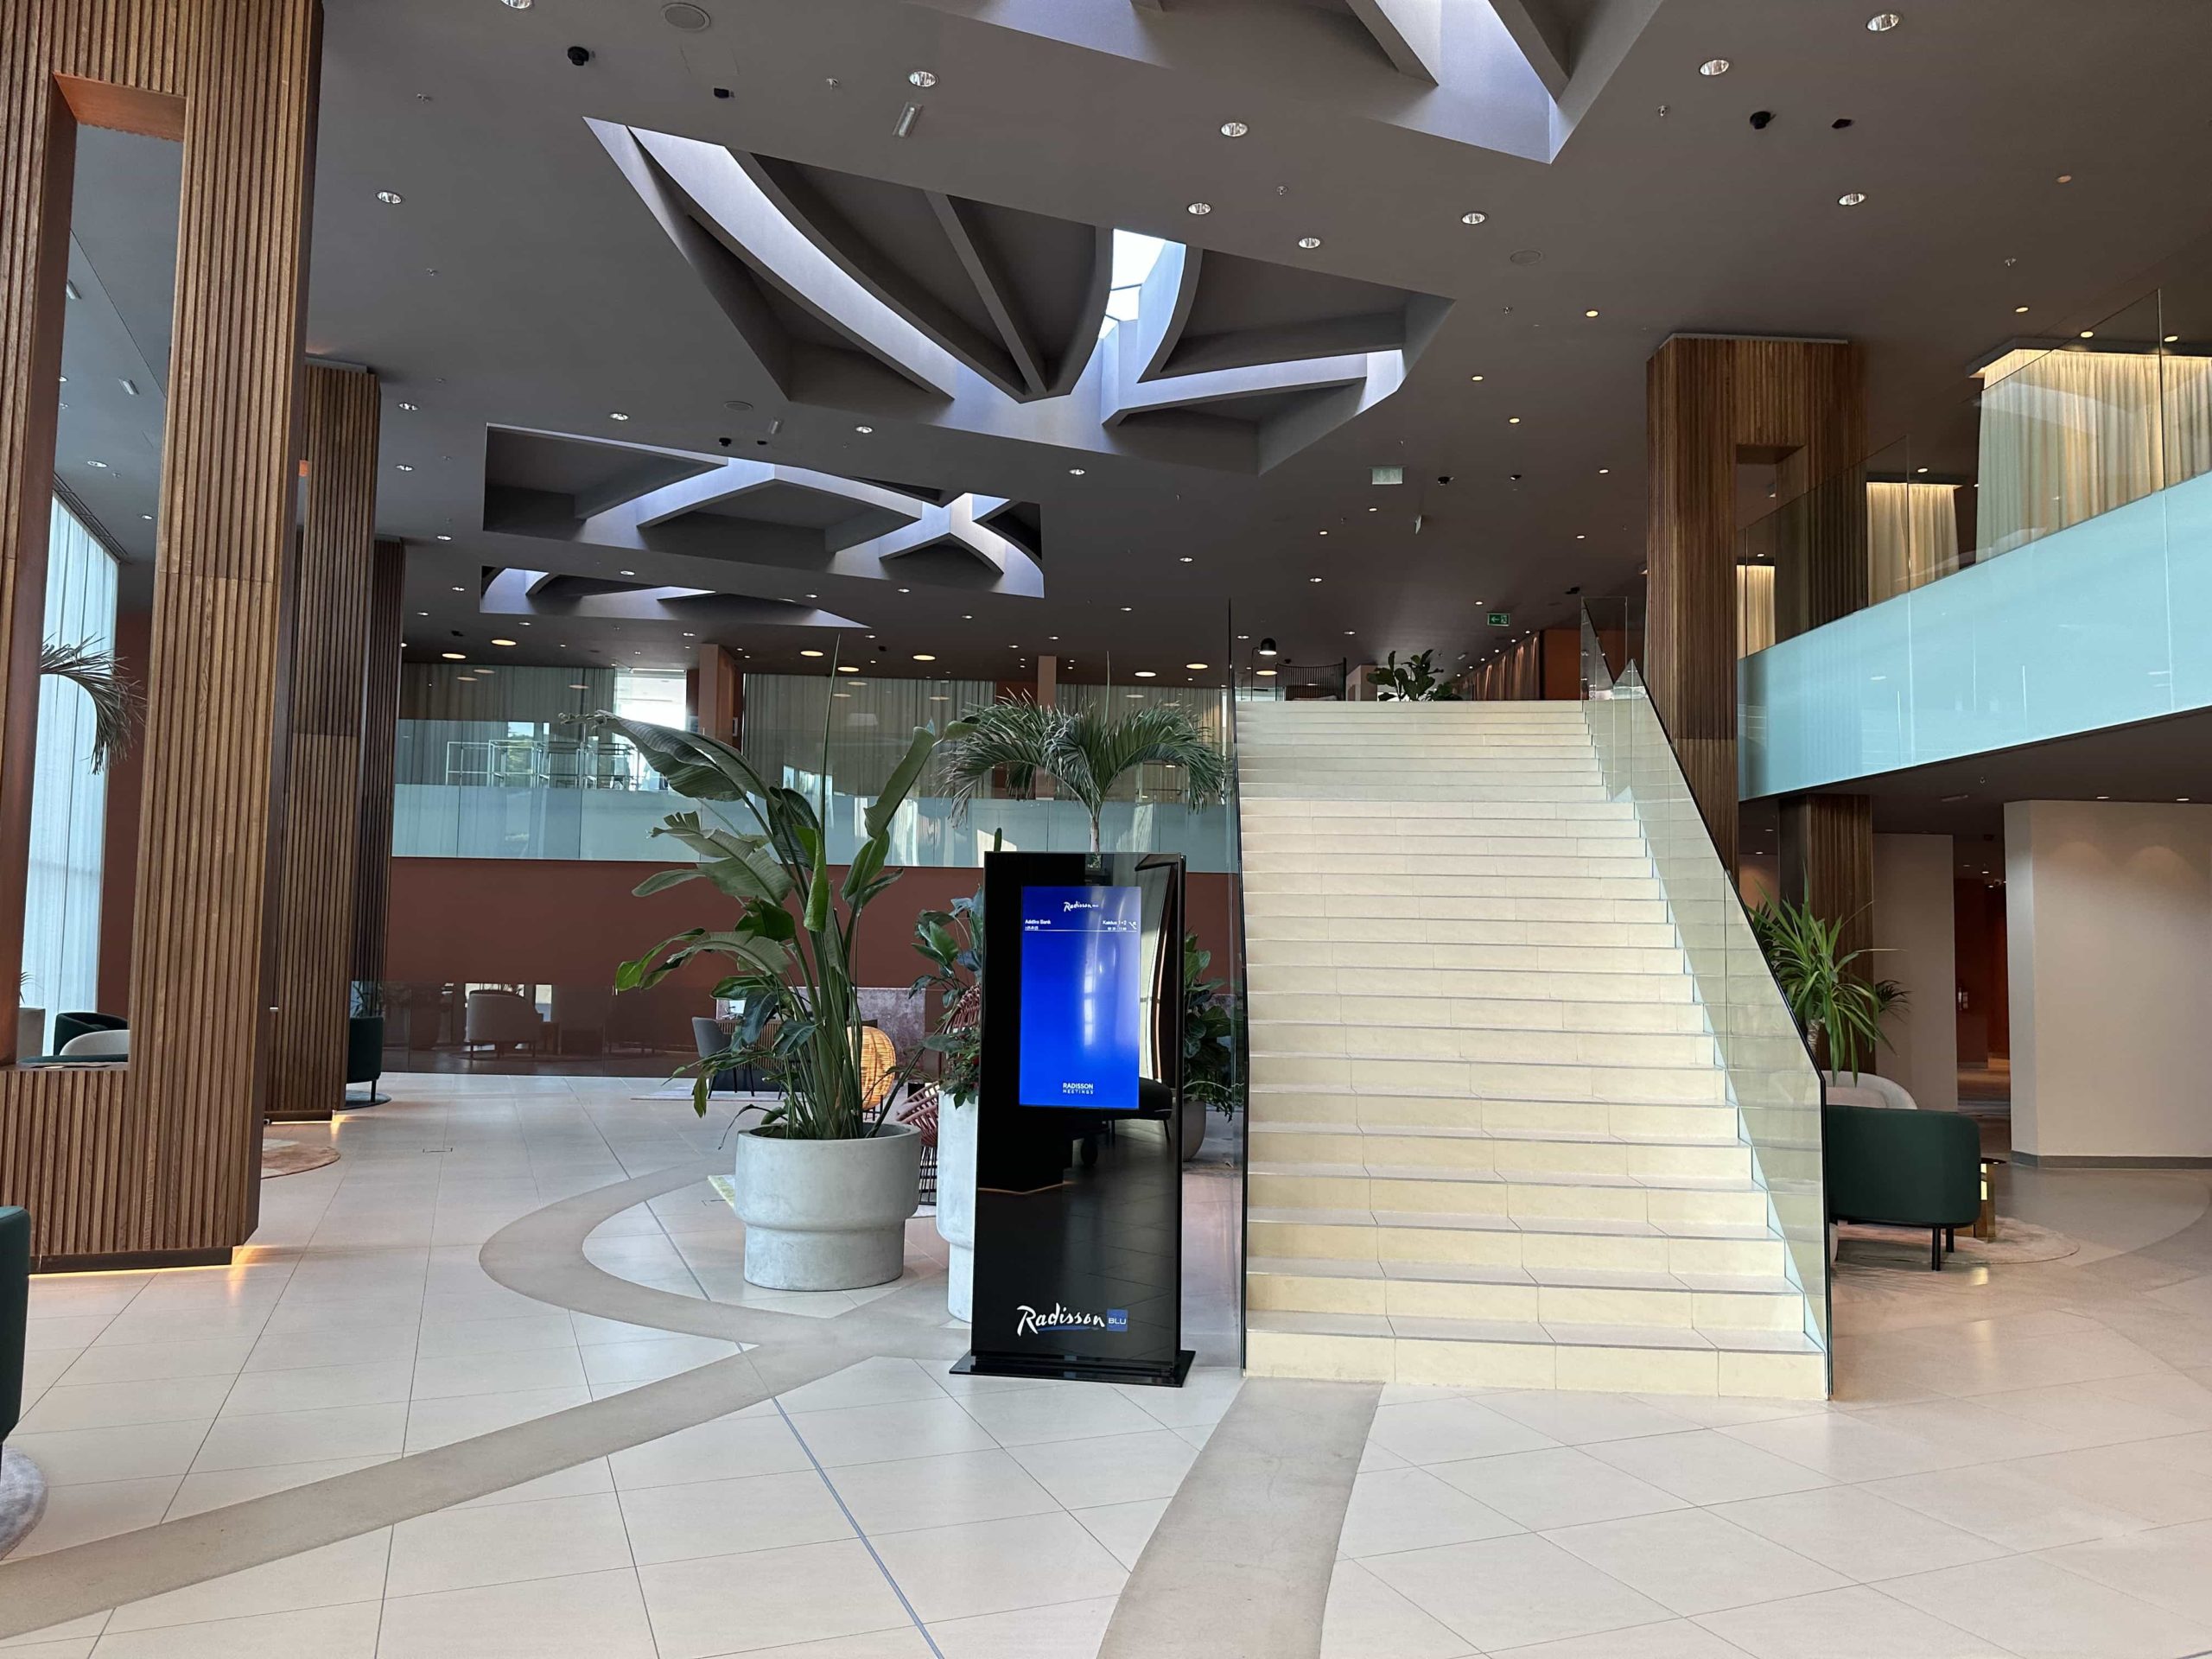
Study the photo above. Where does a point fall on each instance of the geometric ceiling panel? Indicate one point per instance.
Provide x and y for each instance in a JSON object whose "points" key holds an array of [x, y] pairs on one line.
{"points": [[882, 298], [754, 523]]}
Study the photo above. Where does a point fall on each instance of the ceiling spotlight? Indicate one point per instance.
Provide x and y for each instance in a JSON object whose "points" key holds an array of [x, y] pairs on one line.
{"points": [[445, 538], [1309, 243], [1234, 128], [1712, 66], [848, 667], [516, 5], [1920, 470], [2019, 310], [1882, 23], [2066, 178], [810, 653], [1602, 471], [1474, 377], [1472, 219], [1194, 667], [503, 642], [389, 198], [1850, 199], [1513, 420], [864, 430], [626, 573], [1147, 674], [1075, 472], [921, 77], [458, 588], [453, 656], [408, 408], [1266, 673], [147, 517], [924, 657], [1590, 313], [2089, 334], [904, 126], [1314, 579], [402, 466], [1199, 209], [1126, 609], [2172, 339], [616, 415], [100, 464], [1268, 647], [1323, 532], [1187, 559]]}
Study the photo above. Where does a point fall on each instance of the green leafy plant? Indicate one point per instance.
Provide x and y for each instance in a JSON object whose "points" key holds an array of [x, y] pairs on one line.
{"points": [[1213, 1023], [1838, 1010], [951, 942], [1086, 753], [1413, 681], [794, 940], [115, 700]]}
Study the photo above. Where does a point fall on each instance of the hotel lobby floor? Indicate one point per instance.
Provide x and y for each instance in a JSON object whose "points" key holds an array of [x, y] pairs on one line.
{"points": [[364, 1439]]}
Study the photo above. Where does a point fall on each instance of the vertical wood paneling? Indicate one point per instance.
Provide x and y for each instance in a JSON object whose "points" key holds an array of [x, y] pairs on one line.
{"points": [[1708, 401], [1828, 863], [321, 809], [379, 734], [162, 1158]]}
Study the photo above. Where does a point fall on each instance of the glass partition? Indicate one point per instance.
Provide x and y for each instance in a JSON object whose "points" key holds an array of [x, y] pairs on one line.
{"points": [[1772, 1080]]}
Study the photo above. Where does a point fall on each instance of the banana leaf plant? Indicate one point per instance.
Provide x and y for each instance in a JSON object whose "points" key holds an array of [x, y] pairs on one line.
{"points": [[1838, 1009], [952, 942], [793, 943]]}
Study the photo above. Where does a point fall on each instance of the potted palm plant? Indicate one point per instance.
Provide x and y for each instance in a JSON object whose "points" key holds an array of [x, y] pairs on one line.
{"points": [[952, 942], [823, 1183], [1839, 1012], [1086, 754]]}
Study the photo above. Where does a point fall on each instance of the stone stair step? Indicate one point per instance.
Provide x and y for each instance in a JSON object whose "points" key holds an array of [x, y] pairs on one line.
{"points": [[1357, 1235], [1522, 1047], [1660, 1300], [1482, 1014]]}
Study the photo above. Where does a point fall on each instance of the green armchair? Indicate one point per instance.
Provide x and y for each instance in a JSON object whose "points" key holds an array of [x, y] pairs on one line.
{"points": [[1903, 1169]]}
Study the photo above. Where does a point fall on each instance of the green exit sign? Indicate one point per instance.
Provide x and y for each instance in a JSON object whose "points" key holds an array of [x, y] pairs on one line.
{"points": [[1501, 619]]}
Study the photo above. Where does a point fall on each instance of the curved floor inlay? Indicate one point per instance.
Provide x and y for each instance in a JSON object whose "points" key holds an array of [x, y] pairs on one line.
{"points": [[541, 1257]]}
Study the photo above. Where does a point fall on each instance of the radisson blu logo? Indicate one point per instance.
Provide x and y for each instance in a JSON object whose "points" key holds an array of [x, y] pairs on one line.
{"points": [[1031, 1323]]}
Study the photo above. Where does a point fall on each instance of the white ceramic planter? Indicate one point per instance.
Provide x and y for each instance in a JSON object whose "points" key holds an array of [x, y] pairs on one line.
{"points": [[956, 1200], [827, 1215]]}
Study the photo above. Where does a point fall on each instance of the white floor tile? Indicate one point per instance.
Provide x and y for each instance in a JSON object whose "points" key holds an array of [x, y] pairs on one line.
{"points": [[1110, 1468], [1124, 1529], [912, 1428], [726, 1517], [1511, 1591], [1394, 1510], [1064, 1411], [463, 1548], [906, 1493], [1070, 1631], [1694, 1561], [1850, 1623], [1562, 1487], [597, 1616], [994, 1566], [723, 1449], [1366, 1619], [1450, 1429], [1706, 1466], [349, 1571], [1859, 1533], [766, 1598], [347, 1632], [2039, 1611]]}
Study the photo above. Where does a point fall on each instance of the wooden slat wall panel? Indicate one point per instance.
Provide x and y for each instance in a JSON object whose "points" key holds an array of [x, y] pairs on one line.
{"points": [[1707, 400], [1827, 864], [323, 781], [379, 735], [162, 1157]]}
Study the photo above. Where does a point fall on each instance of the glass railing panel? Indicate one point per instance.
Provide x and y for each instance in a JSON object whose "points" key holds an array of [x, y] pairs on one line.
{"points": [[1777, 1092]]}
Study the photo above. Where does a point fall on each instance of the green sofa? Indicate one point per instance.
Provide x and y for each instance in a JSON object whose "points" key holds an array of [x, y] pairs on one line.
{"points": [[14, 1310], [1903, 1169]]}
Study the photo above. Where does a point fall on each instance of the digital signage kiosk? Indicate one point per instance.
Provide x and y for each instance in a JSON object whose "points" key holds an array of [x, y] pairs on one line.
{"points": [[1079, 1146]]}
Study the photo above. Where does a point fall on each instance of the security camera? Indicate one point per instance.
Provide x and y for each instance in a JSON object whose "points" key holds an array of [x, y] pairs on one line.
{"points": [[1761, 119], [724, 441], [1443, 478], [580, 55]]}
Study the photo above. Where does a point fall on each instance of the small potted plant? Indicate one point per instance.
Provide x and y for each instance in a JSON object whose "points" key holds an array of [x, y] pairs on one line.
{"points": [[1838, 1012], [1414, 680], [951, 942], [1212, 1024], [823, 1183]]}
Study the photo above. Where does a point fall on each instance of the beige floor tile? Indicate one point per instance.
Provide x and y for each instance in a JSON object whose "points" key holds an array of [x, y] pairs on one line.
{"points": [[2168, 1567], [80, 1456], [317, 1387], [650, 1361], [1845, 1447], [1706, 1466], [298, 1436], [596, 1616], [911, 1428], [870, 1382], [1694, 1561], [1064, 1411], [2001, 1503], [1069, 1630], [343, 1342], [347, 1632], [1450, 1429], [1366, 1619], [212, 1489], [768, 1598], [2033, 1608], [1110, 1468], [728, 1517], [1849, 1624], [720, 1450], [75, 1514], [906, 1493], [1859, 1533], [1394, 1510], [147, 1361], [107, 1405], [450, 1340], [348, 1571], [462, 1549], [1561, 1487], [459, 1417], [1504, 1592], [904, 1643], [994, 1567], [1573, 1419], [1124, 1529], [1676, 1638], [510, 1372]]}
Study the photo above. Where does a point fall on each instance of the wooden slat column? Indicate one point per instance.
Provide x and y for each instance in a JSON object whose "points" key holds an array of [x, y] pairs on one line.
{"points": [[322, 776], [1827, 864], [379, 739], [1712, 401], [721, 693], [160, 1160]]}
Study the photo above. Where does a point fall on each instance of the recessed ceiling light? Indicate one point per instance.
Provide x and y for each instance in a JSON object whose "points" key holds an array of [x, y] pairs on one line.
{"points": [[688, 634], [2019, 310], [100, 464], [1126, 609], [579, 685], [1075, 472], [1513, 420], [1590, 313], [1234, 128], [1309, 243], [1472, 219], [1602, 471], [924, 657], [389, 198], [967, 616], [1712, 66], [1850, 199], [810, 653], [1314, 579], [626, 573], [130, 387], [1194, 667], [503, 642], [616, 415], [453, 656], [1266, 673], [1324, 532], [846, 668], [905, 590], [1882, 22], [516, 5], [404, 468], [2172, 339], [445, 538], [1375, 509], [460, 589], [1147, 674], [2104, 797], [408, 407], [1187, 559], [1199, 209], [921, 77], [2089, 334], [2066, 178], [147, 517], [1920, 470]]}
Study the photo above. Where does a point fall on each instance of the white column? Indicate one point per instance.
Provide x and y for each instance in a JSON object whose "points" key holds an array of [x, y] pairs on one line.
{"points": [[1915, 944], [2109, 920]]}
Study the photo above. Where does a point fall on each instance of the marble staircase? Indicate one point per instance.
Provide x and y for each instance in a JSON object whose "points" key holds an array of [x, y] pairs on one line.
{"points": [[1492, 1140]]}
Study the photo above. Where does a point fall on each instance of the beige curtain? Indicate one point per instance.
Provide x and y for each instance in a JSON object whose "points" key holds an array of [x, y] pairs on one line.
{"points": [[1754, 608], [871, 720], [2066, 436], [474, 691], [1912, 536]]}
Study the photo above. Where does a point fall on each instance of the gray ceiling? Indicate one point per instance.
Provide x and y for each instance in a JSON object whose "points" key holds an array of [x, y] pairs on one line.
{"points": [[523, 284]]}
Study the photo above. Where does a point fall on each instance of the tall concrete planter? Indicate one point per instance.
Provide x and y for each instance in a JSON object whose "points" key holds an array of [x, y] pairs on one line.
{"points": [[956, 1200], [827, 1215]]}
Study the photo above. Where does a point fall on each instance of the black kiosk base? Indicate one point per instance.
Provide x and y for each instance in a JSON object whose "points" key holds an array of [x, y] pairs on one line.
{"points": [[1078, 1155]]}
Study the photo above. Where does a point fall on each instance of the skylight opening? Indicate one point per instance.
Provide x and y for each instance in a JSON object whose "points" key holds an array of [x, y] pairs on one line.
{"points": [[1134, 255]]}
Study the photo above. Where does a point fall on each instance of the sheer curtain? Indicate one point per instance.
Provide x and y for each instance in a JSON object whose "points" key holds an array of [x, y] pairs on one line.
{"points": [[1912, 536], [61, 898], [2066, 436], [871, 720], [1754, 608], [1207, 706]]}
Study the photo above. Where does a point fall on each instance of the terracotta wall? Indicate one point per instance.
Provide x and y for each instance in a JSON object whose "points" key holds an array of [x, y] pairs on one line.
{"points": [[119, 844], [1984, 1024]]}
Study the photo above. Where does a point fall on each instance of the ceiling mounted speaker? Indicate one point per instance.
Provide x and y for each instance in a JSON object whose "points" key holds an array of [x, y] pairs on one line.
{"points": [[680, 14]]}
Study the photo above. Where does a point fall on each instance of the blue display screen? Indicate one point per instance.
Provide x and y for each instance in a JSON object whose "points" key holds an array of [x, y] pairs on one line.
{"points": [[1082, 994]]}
